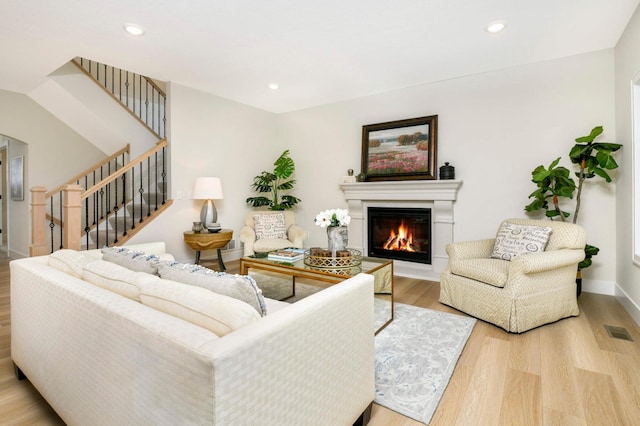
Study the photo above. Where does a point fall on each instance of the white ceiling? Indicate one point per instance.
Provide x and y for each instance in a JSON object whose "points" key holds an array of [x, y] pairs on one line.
{"points": [[319, 52]]}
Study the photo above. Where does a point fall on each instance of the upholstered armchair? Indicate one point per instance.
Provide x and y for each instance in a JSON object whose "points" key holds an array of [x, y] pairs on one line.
{"points": [[265, 231], [516, 292]]}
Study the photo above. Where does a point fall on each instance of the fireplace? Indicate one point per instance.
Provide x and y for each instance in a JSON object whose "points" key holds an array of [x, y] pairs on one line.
{"points": [[400, 233], [437, 195]]}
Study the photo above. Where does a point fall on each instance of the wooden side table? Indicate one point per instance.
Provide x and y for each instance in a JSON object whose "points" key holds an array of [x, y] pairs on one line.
{"points": [[206, 240]]}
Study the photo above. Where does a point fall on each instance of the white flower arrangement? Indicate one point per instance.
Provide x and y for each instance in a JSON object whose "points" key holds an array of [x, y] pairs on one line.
{"points": [[334, 217]]}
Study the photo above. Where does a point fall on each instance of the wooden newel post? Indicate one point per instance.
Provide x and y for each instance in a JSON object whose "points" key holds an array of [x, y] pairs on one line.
{"points": [[38, 245], [72, 216]]}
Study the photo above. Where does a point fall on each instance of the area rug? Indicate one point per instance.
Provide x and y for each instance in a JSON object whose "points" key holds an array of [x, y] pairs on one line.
{"points": [[415, 358], [278, 286], [415, 354]]}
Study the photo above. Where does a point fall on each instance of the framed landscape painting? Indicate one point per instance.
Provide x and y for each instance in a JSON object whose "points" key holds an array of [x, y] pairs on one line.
{"points": [[400, 150]]}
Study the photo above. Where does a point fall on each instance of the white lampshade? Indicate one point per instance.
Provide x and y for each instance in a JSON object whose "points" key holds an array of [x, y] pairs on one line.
{"points": [[207, 188]]}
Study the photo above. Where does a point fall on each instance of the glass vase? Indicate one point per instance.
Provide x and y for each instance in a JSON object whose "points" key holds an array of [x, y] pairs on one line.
{"points": [[337, 238]]}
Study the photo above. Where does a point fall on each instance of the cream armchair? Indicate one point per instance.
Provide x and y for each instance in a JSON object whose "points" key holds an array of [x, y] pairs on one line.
{"points": [[517, 295], [271, 230]]}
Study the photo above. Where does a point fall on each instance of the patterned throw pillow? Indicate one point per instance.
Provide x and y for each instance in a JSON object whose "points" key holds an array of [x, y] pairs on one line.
{"points": [[135, 260], [516, 240], [270, 226], [241, 287]]}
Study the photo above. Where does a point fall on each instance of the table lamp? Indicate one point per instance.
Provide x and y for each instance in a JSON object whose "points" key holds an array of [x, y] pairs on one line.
{"points": [[208, 189]]}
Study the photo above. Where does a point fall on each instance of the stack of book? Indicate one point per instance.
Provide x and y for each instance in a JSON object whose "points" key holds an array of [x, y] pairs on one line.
{"points": [[287, 255]]}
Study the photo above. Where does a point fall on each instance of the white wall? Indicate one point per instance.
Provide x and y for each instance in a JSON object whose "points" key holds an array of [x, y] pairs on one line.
{"points": [[212, 136], [494, 128], [55, 153], [627, 67]]}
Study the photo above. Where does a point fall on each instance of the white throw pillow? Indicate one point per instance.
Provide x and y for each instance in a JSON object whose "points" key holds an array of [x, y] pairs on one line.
{"points": [[516, 240], [118, 279], [269, 226], [69, 261], [241, 287], [215, 312]]}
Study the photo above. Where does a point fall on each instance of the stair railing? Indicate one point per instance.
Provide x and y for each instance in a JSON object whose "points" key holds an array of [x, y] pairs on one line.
{"points": [[139, 94], [54, 199], [101, 214]]}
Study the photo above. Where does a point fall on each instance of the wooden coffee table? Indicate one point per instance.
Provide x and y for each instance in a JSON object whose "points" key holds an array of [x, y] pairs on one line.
{"points": [[381, 269]]}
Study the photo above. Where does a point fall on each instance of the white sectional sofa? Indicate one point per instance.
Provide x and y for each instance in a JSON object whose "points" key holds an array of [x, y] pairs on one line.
{"points": [[100, 358]]}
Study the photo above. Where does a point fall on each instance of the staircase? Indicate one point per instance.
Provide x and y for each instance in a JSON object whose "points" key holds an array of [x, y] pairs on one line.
{"points": [[113, 200]]}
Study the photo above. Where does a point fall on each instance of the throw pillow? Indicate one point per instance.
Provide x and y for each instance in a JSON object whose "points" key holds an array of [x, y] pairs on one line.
{"points": [[516, 240], [241, 287], [215, 312], [117, 279], [135, 260], [70, 261], [269, 226]]}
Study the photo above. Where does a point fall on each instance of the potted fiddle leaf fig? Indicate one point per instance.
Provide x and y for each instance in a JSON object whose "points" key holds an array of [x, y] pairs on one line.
{"points": [[555, 185], [275, 183]]}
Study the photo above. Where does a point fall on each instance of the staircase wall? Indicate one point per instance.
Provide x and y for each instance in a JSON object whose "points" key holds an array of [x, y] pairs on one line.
{"points": [[83, 105]]}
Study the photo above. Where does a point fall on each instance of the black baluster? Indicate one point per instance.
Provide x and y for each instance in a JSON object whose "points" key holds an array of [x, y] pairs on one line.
{"points": [[52, 223], [133, 198], [134, 93], [124, 213], [141, 191], [164, 175], [124, 200], [61, 230], [164, 117], [156, 177], [86, 222]]}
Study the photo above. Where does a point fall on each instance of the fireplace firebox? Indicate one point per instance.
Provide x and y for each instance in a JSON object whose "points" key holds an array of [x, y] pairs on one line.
{"points": [[400, 233]]}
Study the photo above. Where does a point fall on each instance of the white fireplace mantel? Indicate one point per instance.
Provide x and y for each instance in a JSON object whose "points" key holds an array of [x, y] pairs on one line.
{"points": [[438, 195]]}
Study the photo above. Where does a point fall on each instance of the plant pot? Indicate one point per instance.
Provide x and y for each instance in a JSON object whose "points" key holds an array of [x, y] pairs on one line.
{"points": [[578, 282]]}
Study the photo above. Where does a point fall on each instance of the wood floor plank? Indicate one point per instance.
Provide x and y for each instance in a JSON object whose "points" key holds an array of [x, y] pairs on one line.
{"points": [[600, 396], [584, 346], [524, 390], [487, 381], [451, 403], [559, 386], [558, 418], [524, 355], [625, 373]]}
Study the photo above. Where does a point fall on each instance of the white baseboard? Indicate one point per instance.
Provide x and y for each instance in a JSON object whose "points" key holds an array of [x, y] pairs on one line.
{"points": [[629, 305], [599, 287]]}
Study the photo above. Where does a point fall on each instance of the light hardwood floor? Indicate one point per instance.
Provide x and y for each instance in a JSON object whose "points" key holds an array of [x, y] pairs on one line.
{"points": [[567, 373]]}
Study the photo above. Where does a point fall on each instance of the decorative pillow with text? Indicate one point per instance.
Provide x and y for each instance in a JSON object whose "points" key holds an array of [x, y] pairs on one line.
{"points": [[516, 240], [270, 226]]}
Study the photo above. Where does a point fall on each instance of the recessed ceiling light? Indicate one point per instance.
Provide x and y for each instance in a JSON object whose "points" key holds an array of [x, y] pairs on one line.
{"points": [[496, 27], [274, 86], [133, 29]]}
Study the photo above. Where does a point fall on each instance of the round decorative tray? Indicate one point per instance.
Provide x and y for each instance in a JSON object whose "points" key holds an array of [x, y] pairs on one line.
{"points": [[354, 258]]}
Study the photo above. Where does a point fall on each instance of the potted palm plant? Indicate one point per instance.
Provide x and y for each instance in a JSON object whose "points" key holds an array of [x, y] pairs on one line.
{"points": [[275, 183], [593, 159]]}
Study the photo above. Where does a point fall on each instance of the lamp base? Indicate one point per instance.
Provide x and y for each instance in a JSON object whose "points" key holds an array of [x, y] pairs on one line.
{"points": [[208, 214]]}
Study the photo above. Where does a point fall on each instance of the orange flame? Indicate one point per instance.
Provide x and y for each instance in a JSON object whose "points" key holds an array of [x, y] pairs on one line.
{"points": [[402, 241]]}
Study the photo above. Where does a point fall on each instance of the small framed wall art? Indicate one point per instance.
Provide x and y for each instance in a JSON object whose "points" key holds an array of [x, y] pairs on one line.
{"points": [[16, 174], [400, 150]]}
